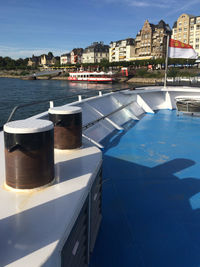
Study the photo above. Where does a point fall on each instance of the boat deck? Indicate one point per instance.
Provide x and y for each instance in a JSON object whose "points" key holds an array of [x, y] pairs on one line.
{"points": [[151, 195]]}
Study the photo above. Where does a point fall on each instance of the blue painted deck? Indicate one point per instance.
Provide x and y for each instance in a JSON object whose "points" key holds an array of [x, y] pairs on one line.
{"points": [[151, 195]]}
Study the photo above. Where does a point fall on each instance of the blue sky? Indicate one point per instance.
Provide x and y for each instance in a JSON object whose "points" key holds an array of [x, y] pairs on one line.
{"points": [[34, 27]]}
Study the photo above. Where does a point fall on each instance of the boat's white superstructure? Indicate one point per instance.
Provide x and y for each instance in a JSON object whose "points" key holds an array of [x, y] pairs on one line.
{"points": [[96, 77], [36, 224]]}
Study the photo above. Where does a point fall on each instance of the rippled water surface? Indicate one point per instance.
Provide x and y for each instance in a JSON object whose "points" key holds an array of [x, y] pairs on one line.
{"points": [[14, 92]]}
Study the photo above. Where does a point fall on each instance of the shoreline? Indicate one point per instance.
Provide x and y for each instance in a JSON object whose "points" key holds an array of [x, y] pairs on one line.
{"points": [[11, 76], [144, 81], [133, 80], [38, 78]]}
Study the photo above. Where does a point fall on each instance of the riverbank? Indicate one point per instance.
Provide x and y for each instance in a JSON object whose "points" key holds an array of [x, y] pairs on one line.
{"points": [[145, 80], [38, 78], [60, 78], [10, 76], [15, 74], [140, 76]]}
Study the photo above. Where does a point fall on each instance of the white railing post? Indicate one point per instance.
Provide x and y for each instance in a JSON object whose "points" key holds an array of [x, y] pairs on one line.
{"points": [[79, 98], [51, 104]]}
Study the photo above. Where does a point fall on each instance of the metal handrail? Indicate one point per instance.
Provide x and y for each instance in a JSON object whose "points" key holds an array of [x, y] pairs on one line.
{"points": [[89, 124], [39, 102], [54, 99]]}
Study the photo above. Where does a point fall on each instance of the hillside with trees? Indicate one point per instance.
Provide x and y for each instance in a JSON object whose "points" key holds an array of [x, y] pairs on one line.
{"points": [[7, 63]]}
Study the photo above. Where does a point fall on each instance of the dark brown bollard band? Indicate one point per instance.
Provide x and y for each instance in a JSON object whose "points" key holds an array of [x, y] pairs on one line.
{"points": [[67, 122], [29, 153]]}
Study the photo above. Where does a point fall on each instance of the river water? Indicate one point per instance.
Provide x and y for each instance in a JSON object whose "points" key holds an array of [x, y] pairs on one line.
{"points": [[15, 92]]}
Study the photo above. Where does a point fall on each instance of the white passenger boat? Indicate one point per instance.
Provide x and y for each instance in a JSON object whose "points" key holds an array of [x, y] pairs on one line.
{"points": [[150, 204], [94, 77]]}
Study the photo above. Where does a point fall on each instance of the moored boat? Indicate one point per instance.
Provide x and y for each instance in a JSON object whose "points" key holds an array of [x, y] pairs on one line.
{"points": [[95, 77]]}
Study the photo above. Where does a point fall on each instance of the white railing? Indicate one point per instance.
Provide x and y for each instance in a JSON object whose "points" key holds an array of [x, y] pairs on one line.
{"points": [[195, 79]]}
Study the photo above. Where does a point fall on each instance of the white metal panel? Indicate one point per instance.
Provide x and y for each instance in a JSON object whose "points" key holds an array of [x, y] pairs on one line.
{"points": [[107, 118], [124, 97], [156, 100], [87, 114], [99, 131], [144, 105], [105, 105], [121, 117], [168, 100], [135, 109]]}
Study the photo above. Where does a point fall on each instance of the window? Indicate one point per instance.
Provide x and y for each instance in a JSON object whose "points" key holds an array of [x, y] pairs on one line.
{"points": [[192, 28], [185, 41], [198, 27], [179, 29], [197, 40], [185, 29], [196, 46], [175, 31], [180, 23]]}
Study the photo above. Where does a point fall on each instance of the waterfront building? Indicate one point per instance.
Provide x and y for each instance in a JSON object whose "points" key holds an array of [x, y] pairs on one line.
{"points": [[65, 59], [48, 60], [33, 61], [187, 30], [76, 55], [43, 60], [95, 53], [151, 40], [122, 50]]}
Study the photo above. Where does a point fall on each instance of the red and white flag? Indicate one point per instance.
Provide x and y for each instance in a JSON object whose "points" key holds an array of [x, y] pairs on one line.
{"points": [[178, 49]]}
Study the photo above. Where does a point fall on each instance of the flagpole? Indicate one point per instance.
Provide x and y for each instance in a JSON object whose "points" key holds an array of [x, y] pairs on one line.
{"points": [[166, 62]]}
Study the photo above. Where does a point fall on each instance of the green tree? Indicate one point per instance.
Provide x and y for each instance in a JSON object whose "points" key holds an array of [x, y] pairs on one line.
{"points": [[50, 54]]}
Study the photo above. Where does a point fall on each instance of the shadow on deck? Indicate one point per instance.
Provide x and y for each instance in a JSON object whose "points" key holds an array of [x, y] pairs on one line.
{"points": [[148, 219]]}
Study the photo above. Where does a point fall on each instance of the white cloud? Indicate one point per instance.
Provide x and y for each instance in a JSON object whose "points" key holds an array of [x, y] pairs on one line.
{"points": [[139, 4], [15, 53], [183, 7], [147, 4], [135, 3], [174, 5]]}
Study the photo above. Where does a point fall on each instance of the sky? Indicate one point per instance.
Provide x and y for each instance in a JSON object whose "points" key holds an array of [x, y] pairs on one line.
{"points": [[30, 27]]}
